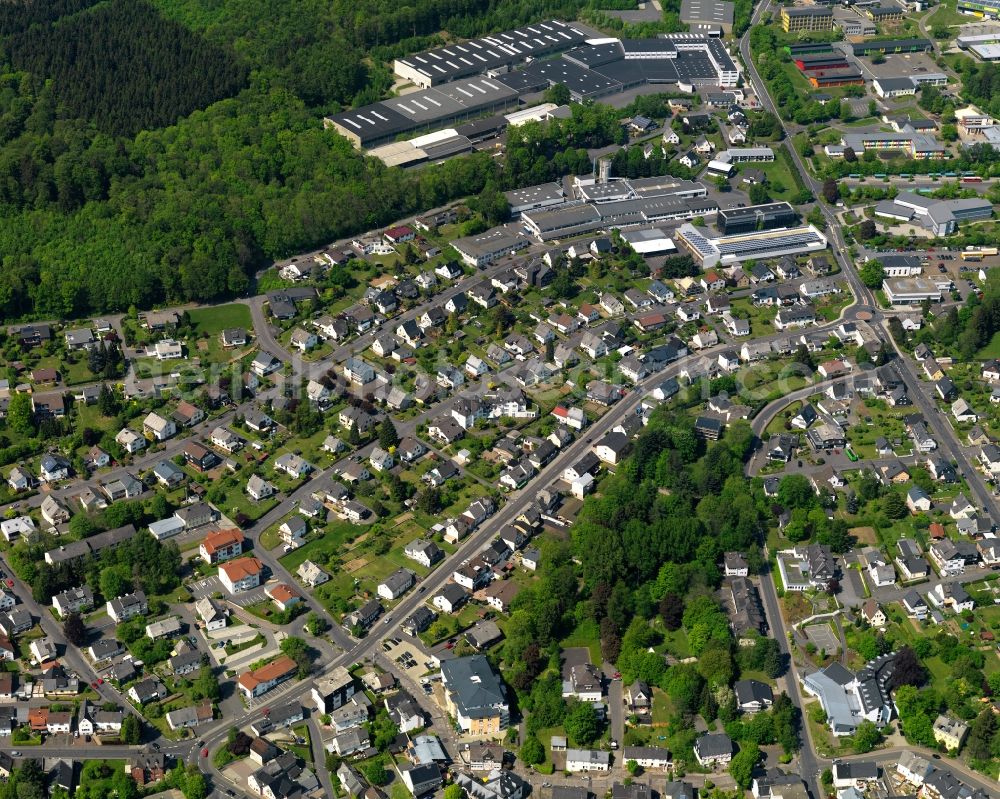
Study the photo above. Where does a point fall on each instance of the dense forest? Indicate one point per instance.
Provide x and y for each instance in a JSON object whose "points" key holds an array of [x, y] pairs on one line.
{"points": [[642, 564], [93, 220], [125, 67], [317, 48]]}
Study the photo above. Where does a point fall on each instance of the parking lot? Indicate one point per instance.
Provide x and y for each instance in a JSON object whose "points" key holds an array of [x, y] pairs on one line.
{"points": [[213, 585], [409, 658]]}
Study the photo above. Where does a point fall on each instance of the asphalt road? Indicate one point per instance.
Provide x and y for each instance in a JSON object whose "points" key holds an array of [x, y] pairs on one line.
{"points": [[810, 764]]}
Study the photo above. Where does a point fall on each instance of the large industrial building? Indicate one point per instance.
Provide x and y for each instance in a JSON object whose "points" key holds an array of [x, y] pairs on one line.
{"points": [[485, 248], [709, 250], [596, 191], [580, 218], [382, 122], [601, 204], [500, 51], [677, 58], [941, 217], [591, 69], [985, 46]]}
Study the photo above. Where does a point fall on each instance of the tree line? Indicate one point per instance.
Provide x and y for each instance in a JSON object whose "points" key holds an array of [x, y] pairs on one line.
{"points": [[142, 562]]}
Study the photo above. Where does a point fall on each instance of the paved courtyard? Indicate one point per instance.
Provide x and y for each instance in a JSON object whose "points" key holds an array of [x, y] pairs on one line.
{"points": [[823, 637]]}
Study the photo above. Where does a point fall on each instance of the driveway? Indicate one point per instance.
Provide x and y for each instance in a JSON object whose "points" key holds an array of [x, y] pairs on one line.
{"points": [[852, 589]]}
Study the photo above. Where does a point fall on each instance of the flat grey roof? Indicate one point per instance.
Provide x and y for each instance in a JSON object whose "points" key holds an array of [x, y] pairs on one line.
{"points": [[581, 82], [478, 55], [401, 114]]}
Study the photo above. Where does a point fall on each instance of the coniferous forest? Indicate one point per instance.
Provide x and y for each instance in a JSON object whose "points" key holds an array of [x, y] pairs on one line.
{"points": [[126, 68], [165, 150]]}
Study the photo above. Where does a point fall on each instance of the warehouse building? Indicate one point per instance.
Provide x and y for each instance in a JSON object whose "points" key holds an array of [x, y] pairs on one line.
{"points": [[383, 122], [985, 46], [688, 58], [710, 251], [649, 241], [589, 71], [575, 220], [477, 56], [591, 190], [423, 149], [988, 9], [806, 18], [528, 199], [483, 249]]}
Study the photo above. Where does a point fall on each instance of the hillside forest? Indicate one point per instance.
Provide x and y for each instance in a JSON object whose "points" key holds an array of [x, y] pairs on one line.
{"points": [[157, 151]]}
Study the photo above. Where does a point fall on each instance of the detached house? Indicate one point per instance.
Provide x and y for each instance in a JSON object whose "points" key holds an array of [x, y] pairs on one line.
{"points": [[158, 428]]}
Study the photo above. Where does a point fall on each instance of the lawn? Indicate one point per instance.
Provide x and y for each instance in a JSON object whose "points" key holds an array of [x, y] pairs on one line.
{"points": [[777, 424], [208, 323], [663, 708], [676, 643], [946, 15], [233, 649], [90, 416], [991, 350], [830, 308], [760, 318], [331, 542], [214, 320], [780, 181], [96, 777], [304, 751], [586, 634], [237, 501]]}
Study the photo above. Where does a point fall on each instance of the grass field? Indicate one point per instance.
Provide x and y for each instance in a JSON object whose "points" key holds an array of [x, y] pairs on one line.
{"points": [[946, 15], [214, 320], [760, 318], [332, 541], [207, 323], [780, 181], [586, 634], [991, 350]]}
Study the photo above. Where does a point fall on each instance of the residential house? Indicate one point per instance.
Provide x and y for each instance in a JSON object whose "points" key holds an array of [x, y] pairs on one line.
{"points": [[241, 574], [713, 749]]}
